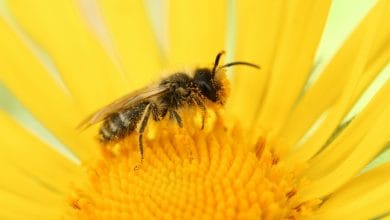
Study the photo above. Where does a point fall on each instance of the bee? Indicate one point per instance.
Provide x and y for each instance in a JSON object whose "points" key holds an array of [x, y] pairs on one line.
{"points": [[126, 114]]}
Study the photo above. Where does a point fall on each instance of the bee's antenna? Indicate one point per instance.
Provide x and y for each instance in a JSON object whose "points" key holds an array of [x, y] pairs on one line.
{"points": [[218, 57], [217, 62], [240, 63]]}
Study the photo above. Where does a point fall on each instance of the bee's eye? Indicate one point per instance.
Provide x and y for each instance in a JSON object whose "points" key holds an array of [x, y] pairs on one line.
{"points": [[205, 87], [208, 91]]}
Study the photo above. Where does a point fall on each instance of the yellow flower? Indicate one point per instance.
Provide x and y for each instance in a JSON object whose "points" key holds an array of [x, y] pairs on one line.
{"points": [[280, 148]]}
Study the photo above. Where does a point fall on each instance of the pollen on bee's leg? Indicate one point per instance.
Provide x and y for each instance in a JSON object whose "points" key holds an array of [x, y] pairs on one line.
{"points": [[191, 173]]}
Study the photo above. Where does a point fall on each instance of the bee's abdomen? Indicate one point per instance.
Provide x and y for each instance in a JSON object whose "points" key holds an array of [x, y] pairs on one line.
{"points": [[121, 123]]}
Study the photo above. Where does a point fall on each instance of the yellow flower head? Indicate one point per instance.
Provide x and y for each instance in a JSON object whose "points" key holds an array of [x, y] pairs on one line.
{"points": [[283, 145]]}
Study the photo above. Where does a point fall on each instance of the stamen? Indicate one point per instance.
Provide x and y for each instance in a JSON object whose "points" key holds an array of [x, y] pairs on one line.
{"points": [[189, 173]]}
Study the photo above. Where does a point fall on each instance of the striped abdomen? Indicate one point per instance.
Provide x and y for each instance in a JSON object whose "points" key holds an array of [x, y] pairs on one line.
{"points": [[121, 123]]}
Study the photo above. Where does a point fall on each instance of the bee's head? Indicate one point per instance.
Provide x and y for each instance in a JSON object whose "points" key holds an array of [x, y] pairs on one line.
{"points": [[207, 84], [211, 86]]}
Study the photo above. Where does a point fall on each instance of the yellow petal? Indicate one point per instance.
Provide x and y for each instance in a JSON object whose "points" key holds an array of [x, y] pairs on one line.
{"points": [[134, 41], [365, 197], [15, 180], [18, 207], [33, 159], [196, 31], [258, 31], [293, 60], [283, 47], [380, 56], [369, 41], [36, 88], [345, 143], [371, 144], [85, 67]]}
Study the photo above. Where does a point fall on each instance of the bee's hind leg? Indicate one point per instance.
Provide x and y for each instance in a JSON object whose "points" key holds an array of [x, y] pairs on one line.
{"points": [[174, 115], [144, 122]]}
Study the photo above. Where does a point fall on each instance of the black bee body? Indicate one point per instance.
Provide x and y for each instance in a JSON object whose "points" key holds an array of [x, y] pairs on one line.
{"points": [[183, 90], [124, 115], [121, 123]]}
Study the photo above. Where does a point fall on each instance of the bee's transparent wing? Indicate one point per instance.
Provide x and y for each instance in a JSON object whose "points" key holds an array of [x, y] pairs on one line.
{"points": [[121, 103]]}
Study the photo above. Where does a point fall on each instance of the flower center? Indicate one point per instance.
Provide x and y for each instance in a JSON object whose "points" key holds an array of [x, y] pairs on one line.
{"points": [[189, 173]]}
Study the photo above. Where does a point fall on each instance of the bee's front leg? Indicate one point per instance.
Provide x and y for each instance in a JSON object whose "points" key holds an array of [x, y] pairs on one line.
{"points": [[174, 115], [202, 106]]}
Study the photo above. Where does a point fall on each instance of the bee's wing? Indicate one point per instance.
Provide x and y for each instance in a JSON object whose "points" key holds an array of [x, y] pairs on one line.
{"points": [[123, 102]]}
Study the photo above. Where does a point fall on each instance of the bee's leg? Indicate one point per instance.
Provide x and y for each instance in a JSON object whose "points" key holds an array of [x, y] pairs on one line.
{"points": [[204, 113], [144, 122], [174, 115], [201, 105], [159, 113]]}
